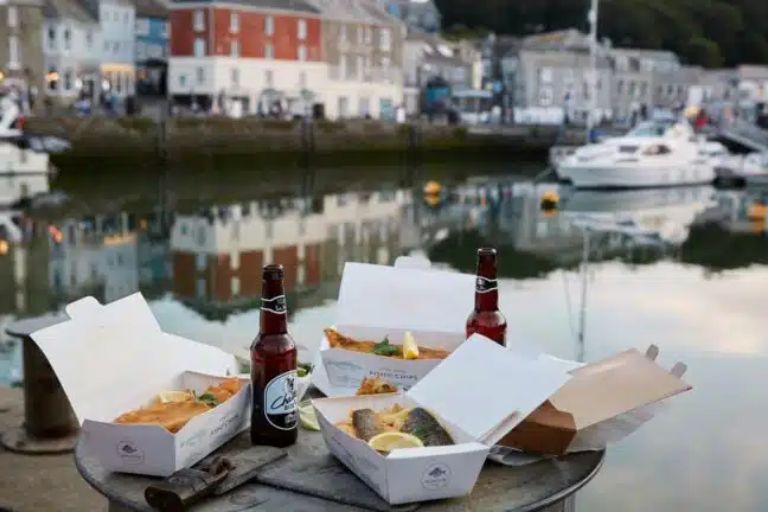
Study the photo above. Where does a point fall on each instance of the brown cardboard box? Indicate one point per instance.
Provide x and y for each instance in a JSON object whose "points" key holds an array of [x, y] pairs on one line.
{"points": [[603, 402]]}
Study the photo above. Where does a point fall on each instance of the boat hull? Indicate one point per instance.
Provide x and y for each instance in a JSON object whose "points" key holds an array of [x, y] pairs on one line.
{"points": [[617, 177]]}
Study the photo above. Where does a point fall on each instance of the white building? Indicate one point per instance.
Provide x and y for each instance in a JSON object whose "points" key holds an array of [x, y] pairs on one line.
{"points": [[116, 20], [71, 48]]}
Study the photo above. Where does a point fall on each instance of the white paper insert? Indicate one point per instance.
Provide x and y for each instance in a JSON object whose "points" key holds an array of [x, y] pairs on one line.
{"points": [[410, 298], [486, 389]]}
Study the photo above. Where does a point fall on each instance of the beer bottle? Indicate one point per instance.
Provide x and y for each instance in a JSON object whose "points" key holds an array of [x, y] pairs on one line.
{"points": [[486, 319], [274, 419]]}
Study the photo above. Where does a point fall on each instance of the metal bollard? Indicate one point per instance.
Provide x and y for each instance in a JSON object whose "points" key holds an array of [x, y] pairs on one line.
{"points": [[50, 425]]}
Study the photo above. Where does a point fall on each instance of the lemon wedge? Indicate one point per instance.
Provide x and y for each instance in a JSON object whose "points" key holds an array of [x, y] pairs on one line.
{"points": [[410, 349], [308, 418], [175, 396], [388, 441]]}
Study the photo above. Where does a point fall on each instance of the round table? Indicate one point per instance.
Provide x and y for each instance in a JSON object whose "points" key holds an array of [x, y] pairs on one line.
{"points": [[544, 485]]}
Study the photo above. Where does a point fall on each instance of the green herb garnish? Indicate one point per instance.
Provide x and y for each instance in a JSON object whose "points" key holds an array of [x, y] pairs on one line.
{"points": [[209, 399], [303, 369], [385, 349]]}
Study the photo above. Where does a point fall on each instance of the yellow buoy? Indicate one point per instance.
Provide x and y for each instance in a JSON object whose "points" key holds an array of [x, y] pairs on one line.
{"points": [[757, 211], [549, 200]]}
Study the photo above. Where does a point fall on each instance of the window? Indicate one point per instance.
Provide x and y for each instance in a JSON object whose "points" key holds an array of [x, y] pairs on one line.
{"points": [[302, 79], [364, 107], [302, 52], [199, 47], [235, 78], [348, 65], [200, 261], [385, 40], [13, 17], [14, 59], [164, 30], [119, 83], [199, 20], [234, 48], [269, 25], [302, 30], [235, 286], [368, 35], [88, 39], [342, 106], [343, 34], [269, 51], [200, 72], [51, 38], [68, 80], [268, 79], [360, 66], [234, 22], [67, 39], [620, 87], [182, 80], [53, 79]]}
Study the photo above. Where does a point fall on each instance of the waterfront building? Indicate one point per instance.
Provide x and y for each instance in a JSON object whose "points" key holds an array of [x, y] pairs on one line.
{"points": [[257, 56], [431, 63], [418, 15], [117, 26], [553, 79], [71, 46], [363, 48], [151, 47], [21, 49]]}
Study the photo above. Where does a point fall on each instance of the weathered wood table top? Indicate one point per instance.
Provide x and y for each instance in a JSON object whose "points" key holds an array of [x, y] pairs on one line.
{"points": [[310, 478]]}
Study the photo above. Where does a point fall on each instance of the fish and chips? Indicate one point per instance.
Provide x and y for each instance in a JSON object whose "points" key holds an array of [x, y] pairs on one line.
{"points": [[408, 350], [173, 409], [375, 386]]}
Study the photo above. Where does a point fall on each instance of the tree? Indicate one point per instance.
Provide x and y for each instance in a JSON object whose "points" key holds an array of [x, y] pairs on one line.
{"points": [[703, 52]]}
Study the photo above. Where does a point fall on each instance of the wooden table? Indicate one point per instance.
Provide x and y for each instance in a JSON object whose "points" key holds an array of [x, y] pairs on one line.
{"points": [[295, 482]]}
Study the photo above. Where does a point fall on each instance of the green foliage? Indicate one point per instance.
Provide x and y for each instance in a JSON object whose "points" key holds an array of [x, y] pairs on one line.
{"points": [[710, 33]]}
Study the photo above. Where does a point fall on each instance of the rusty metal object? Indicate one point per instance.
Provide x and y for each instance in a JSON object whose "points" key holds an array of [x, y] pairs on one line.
{"points": [[50, 425]]}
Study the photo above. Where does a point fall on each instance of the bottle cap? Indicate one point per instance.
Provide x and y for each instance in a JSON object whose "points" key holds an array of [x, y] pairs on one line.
{"points": [[272, 272]]}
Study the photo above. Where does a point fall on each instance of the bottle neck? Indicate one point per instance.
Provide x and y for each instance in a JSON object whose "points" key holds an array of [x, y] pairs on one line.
{"points": [[486, 286], [274, 312]]}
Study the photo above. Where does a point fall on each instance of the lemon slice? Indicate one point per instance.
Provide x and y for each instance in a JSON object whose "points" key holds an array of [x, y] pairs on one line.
{"points": [[308, 418], [175, 396], [388, 441], [410, 349]]}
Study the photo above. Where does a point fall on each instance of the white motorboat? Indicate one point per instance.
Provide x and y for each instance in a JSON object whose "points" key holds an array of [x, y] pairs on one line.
{"points": [[16, 157], [653, 154], [751, 168]]}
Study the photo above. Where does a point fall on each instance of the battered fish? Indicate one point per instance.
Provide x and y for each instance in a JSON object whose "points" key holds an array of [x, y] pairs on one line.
{"points": [[338, 340], [174, 415]]}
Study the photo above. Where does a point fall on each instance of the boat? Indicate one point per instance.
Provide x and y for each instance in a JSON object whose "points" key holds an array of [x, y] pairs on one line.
{"points": [[17, 156], [653, 154], [751, 169]]}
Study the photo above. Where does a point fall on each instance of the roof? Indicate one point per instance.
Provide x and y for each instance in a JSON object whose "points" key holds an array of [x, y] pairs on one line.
{"points": [[656, 55], [570, 39], [353, 11], [67, 9], [150, 9], [278, 5], [752, 72]]}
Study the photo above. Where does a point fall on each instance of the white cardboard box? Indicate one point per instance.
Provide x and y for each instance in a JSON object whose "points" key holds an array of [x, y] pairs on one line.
{"points": [[479, 393], [114, 358], [379, 300]]}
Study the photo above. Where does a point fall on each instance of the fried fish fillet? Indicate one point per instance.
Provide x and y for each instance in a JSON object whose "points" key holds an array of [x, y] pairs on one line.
{"points": [[375, 386], [338, 340], [174, 415]]}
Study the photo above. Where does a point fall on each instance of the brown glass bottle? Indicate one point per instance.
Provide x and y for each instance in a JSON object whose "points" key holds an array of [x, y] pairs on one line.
{"points": [[486, 319], [274, 419]]}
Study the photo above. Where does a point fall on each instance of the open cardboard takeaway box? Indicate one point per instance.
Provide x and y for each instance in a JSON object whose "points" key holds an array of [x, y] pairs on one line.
{"points": [[115, 358], [602, 403], [380, 300], [479, 393]]}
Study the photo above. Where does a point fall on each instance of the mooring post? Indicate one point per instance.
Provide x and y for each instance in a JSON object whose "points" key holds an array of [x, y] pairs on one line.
{"points": [[50, 425]]}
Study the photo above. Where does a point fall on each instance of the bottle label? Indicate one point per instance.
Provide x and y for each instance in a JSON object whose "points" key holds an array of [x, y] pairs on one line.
{"points": [[280, 401], [274, 305], [485, 285]]}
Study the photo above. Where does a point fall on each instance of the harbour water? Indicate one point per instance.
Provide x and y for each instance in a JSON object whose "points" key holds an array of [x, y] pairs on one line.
{"points": [[682, 268]]}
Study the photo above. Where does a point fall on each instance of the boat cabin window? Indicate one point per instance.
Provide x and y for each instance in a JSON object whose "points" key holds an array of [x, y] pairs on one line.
{"points": [[657, 149], [649, 129], [629, 150]]}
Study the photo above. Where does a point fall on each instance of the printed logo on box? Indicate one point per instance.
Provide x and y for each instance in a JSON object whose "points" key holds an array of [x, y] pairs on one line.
{"points": [[436, 476], [129, 452]]}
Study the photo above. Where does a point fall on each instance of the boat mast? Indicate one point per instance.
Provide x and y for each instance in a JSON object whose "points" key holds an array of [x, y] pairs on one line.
{"points": [[592, 113]]}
